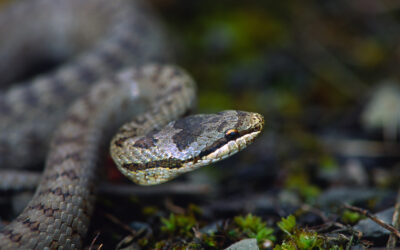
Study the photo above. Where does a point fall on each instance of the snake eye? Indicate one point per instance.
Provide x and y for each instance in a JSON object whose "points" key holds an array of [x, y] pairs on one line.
{"points": [[231, 134]]}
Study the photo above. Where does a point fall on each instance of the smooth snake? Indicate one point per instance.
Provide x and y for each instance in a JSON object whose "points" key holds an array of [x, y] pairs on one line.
{"points": [[108, 46]]}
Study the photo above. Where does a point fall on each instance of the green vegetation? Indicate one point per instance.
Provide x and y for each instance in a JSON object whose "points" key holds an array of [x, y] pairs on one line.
{"points": [[351, 217], [297, 238], [287, 224], [253, 227], [178, 225]]}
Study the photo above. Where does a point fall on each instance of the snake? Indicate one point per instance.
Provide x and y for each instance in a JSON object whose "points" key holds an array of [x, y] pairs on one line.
{"points": [[115, 78]]}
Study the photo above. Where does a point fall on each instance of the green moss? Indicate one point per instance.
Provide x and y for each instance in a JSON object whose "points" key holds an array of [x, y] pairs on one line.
{"points": [[253, 227], [178, 225], [288, 224], [290, 245], [307, 240], [351, 217], [209, 240], [297, 238]]}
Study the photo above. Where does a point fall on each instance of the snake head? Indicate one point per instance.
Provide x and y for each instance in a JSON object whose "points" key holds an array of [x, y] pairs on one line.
{"points": [[187, 144], [232, 131]]}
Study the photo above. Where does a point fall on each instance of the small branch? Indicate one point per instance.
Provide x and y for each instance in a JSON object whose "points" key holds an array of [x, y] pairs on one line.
{"points": [[374, 219], [396, 223], [94, 240]]}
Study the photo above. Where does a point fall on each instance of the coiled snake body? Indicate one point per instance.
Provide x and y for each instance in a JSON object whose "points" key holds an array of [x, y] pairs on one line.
{"points": [[146, 150]]}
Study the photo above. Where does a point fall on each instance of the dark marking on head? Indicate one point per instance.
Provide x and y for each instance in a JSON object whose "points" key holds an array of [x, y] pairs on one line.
{"points": [[147, 141], [222, 126], [120, 141], [127, 133], [213, 147], [170, 163], [191, 127], [241, 117]]}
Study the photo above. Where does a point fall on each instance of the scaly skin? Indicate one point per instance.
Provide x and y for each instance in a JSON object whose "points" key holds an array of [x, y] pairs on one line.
{"points": [[58, 214], [95, 37]]}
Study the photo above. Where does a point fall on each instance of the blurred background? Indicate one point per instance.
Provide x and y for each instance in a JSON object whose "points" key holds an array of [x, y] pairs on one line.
{"points": [[323, 73]]}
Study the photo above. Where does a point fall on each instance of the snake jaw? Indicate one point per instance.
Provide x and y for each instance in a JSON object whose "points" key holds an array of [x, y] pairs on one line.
{"points": [[230, 148]]}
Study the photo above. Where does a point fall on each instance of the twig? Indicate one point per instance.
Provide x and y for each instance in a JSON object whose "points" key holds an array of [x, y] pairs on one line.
{"points": [[395, 221], [94, 240], [374, 219], [343, 228]]}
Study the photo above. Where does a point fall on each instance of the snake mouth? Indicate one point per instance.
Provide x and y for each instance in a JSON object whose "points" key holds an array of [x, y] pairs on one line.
{"points": [[225, 148], [241, 141]]}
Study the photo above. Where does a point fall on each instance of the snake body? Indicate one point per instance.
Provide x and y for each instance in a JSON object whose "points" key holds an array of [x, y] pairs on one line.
{"points": [[95, 37], [155, 146]]}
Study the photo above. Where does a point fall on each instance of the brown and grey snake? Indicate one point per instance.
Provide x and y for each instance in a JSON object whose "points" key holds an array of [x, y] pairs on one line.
{"points": [[107, 46]]}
